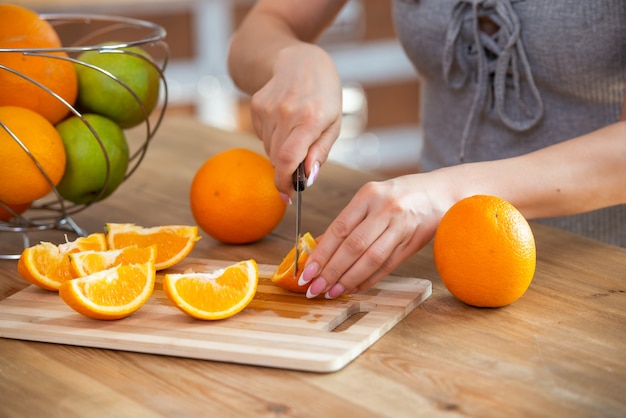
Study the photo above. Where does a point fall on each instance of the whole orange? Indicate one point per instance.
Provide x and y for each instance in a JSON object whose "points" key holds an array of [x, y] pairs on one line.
{"points": [[21, 180], [6, 214], [21, 28], [233, 197], [484, 251], [18, 23]]}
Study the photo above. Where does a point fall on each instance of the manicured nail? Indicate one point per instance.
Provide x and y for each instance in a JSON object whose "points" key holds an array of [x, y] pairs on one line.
{"points": [[308, 274], [317, 286], [337, 290], [285, 198], [315, 170]]}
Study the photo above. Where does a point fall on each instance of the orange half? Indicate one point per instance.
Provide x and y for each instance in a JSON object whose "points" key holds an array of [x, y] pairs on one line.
{"points": [[48, 266], [284, 275], [173, 242], [110, 294], [216, 295]]}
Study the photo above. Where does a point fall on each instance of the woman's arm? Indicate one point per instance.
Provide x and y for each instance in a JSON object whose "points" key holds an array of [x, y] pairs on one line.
{"points": [[270, 26], [387, 222], [295, 87], [579, 175]]}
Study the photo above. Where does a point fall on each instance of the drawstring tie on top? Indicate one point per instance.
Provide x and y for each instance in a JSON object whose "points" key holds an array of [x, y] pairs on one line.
{"points": [[498, 61]]}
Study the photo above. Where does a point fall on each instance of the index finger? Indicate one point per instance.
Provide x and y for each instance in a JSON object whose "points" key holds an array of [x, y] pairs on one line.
{"points": [[290, 154], [332, 239]]}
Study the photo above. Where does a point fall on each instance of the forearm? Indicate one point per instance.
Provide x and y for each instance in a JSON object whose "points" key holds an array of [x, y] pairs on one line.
{"points": [[254, 48], [272, 26], [579, 175]]}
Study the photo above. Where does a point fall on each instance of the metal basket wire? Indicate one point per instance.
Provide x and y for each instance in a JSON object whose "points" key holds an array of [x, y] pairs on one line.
{"points": [[80, 33]]}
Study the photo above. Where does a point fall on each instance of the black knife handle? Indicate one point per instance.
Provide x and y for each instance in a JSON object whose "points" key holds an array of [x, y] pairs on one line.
{"points": [[298, 178]]}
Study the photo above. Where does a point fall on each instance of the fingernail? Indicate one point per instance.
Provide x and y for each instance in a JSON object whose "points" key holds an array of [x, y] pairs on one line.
{"points": [[317, 286], [315, 170], [336, 290], [308, 274], [285, 198]]}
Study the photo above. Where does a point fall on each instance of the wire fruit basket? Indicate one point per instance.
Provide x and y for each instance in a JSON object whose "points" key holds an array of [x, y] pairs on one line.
{"points": [[79, 34]]}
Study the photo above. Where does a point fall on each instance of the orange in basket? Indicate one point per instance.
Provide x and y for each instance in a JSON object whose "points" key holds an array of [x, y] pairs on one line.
{"points": [[21, 180], [21, 28], [7, 215], [18, 24]]}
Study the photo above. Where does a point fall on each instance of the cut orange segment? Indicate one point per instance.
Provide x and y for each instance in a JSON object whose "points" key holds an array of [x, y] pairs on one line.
{"points": [[85, 263], [47, 265], [216, 295], [110, 294], [284, 275], [173, 242]]}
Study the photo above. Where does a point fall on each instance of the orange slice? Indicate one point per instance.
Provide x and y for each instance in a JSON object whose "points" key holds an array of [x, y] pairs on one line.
{"points": [[110, 294], [47, 265], [284, 274], [85, 263], [216, 295], [173, 242]]}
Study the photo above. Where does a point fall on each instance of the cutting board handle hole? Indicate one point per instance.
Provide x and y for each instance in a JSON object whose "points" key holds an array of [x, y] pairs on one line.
{"points": [[359, 311]]}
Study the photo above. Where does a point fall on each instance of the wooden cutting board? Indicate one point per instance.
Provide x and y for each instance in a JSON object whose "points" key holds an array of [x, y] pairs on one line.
{"points": [[278, 329]]}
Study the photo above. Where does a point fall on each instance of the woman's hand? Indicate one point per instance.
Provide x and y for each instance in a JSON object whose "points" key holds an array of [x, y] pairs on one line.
{"points": [[297, 113], [384, 224], [387, 222]]}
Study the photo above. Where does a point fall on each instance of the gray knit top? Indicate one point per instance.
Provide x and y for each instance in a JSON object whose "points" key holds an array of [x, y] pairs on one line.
{"points": [[553, 70]]}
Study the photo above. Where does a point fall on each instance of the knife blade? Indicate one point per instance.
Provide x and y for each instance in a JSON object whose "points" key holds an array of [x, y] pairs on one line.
{"points": [[299, 183]]}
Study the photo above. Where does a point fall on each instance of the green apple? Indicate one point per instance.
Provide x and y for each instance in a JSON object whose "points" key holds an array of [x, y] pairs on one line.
{"points": [[86, 173], [101, 94]]}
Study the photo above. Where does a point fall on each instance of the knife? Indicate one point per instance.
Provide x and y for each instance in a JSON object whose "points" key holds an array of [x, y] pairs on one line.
{"points": [[299, 183]]}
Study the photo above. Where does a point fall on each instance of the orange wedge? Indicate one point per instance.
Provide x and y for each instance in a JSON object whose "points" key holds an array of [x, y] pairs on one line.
{"points": [[173, 242], [85, 263], [47, 265], [284, 274], [216, 295], [111, 294]]}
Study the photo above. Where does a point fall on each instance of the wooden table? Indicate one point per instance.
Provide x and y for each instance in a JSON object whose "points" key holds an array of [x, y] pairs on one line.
{"points": [[558, 351]]}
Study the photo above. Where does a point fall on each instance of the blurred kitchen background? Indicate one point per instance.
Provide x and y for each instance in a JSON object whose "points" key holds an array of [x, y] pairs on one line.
{"points": [[381, 93]]}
